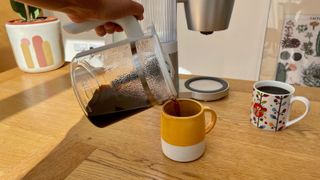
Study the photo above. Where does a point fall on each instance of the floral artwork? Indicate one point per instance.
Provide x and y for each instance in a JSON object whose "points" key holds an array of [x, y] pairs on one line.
{"points": [[299, 55], [307, 46], [288, 40], [302, 28], [269, 112], [259, 109], [311, 75]]}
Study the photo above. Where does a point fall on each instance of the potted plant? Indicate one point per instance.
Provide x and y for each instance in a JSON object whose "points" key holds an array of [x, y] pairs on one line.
{"points": [[35, 40]]}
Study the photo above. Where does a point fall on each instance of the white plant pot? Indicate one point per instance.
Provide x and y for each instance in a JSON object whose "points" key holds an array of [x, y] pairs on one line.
{"points": [[37, 46]]}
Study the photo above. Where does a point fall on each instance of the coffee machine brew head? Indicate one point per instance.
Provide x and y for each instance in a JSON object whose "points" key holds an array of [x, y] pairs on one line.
{"points": [[207, 16]]}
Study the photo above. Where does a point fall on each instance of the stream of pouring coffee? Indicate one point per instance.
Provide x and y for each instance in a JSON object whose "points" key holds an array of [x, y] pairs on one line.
{"points": [[176, 107]]}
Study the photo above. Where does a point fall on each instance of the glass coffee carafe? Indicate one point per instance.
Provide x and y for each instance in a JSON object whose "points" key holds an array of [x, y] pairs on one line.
{"points": [[118, 80]]}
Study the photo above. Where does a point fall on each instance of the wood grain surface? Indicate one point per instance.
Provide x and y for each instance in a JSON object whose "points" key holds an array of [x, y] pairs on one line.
{"points": [[6, 55], [44, 135]]}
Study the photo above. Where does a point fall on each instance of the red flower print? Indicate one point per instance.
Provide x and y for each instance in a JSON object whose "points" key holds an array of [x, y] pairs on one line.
{"points": [[259, 110]]}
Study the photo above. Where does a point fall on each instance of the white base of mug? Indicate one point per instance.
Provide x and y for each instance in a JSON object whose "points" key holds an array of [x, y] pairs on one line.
{"points": [[183, 153]]}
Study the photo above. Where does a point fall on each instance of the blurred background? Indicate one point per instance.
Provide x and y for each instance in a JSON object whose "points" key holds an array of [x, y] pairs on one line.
{"points": [[247, 50]]}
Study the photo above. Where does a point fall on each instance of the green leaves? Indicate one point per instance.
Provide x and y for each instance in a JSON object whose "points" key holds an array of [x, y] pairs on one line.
{"points": [[27, 13]]}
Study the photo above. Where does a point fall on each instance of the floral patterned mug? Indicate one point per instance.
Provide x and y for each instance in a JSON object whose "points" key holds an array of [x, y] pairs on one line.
{"points": [[271, 104]]}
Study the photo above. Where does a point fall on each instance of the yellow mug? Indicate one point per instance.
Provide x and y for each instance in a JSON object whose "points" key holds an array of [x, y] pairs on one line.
{"points": [[182, 137]]}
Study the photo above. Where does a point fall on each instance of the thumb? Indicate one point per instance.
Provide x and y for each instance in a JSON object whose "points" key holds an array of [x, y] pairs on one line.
{"points": [[75, 18], [134, 9]]}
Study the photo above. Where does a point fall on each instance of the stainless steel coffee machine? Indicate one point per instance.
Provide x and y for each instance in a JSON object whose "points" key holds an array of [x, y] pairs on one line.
{"points": [[205, 16]]}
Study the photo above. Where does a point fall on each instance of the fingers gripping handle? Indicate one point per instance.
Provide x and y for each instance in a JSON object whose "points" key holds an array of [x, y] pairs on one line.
{"points": [[130, 25], [306, 102], [76, 28], [213, 119]]}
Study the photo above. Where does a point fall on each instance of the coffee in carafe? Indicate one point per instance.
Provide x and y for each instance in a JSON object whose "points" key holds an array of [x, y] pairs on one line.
{"points": [[107, 106]]}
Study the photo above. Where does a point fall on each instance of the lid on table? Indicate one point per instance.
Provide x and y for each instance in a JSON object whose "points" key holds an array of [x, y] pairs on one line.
{"points": [[207, 88]]}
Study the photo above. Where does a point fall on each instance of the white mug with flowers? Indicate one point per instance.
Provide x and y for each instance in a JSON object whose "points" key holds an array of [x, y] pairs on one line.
{"points": [[271, 111]]}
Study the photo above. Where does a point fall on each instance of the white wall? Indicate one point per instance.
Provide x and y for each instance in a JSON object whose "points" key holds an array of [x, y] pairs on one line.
{"points": [[234, 53]]}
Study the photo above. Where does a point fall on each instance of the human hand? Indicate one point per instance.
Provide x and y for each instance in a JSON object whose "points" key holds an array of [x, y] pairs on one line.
{"points": [[105, 10]]}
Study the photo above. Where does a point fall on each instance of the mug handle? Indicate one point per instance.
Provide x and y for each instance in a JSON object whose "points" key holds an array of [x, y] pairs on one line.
{"points": [[129, 24], [306, 102], [213, 120]]}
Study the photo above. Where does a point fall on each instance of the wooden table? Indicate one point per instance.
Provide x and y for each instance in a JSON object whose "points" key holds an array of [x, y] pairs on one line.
{"points": [[44, 135]]}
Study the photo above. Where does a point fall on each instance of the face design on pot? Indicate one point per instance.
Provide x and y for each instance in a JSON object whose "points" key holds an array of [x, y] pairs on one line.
{"points": [[41, 48], [37, 45]]}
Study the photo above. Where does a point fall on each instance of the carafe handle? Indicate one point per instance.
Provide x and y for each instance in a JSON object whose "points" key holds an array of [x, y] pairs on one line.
{"points": [[129, 24]]}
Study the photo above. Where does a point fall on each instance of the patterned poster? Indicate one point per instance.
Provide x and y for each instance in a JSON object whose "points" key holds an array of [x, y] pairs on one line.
{"points": [[299, 55]]}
